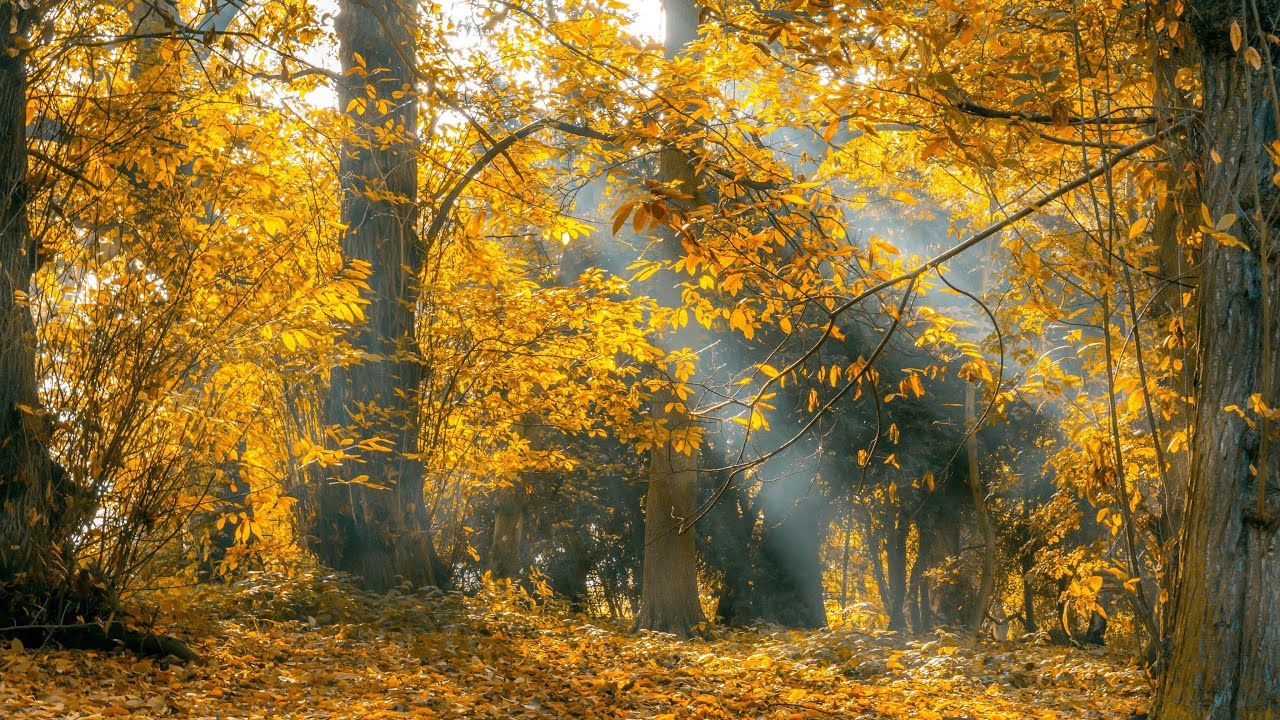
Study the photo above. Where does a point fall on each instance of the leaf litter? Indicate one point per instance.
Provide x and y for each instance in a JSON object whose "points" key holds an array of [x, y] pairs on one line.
{"points": [[313, 648]]}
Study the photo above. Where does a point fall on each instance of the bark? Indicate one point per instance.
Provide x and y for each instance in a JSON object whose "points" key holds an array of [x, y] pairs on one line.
{"points": [[732, 550], [918, 596], [1096, 632], [894, 581], [508, 533], [669, 600], [42, 508], [379, 535], [567, 574], [1028, 597], [1181, 208], [986, 582], [941, 602], [1224, 640], [34, 537]]}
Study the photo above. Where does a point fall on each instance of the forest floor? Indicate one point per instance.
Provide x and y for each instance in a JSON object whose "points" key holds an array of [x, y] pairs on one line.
{"points": [[310, 648]]}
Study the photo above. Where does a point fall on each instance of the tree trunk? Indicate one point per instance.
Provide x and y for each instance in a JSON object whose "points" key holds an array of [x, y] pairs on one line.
{"points": [[895, 571], [1224, 643], [379, 534], [42, 508], [731, 549], [34, 535], [568, 573], [986, 582], [918, 586], [508, 533], [669, 600], [1028, 596]]}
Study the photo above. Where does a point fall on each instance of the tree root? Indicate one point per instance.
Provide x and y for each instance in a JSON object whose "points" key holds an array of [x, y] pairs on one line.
{"points": [[111, 635]]}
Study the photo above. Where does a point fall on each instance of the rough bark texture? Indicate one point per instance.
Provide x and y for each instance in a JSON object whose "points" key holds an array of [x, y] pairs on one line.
{"points": [[568, 571], [41, 507], [669, 600], [33, 537], [1224, 639], [379, 535]]}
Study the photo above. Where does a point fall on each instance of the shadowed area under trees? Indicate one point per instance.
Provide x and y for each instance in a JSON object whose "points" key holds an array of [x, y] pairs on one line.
{"points": [[635, 359]]}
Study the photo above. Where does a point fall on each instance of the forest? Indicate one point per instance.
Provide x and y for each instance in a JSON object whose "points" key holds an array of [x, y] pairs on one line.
{"points": [[639, 359]]}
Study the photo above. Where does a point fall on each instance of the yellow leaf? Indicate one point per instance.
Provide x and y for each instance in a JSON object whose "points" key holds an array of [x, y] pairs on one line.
{"points": [[1139, 227], [831, 130], [1252, 57], [893, 663], [905, 197], [1237, 36], [1229, 240]]}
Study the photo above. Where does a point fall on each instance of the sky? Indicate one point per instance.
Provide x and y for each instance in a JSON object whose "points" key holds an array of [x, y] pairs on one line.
{"points": [[648, 23]]}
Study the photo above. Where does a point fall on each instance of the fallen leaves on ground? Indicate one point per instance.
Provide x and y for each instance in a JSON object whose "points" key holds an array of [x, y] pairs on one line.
{"points": [[318, 650]]}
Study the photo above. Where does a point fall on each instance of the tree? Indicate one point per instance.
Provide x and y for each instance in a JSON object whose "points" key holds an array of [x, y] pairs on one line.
{"points": [[1224, 641], [47, 591], [371, 519], [36, 517], [669, 600]]}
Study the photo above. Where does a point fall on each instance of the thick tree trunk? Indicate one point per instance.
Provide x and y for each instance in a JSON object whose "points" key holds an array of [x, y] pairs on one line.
{"points": [[732, 550], [33, 537], [1224, 639], [41, 507], [379, 534], [669, 600], [568, 572]]}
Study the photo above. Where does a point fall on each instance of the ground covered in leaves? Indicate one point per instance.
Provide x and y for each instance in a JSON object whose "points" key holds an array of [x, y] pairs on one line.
{"points": [[311, 648]]}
